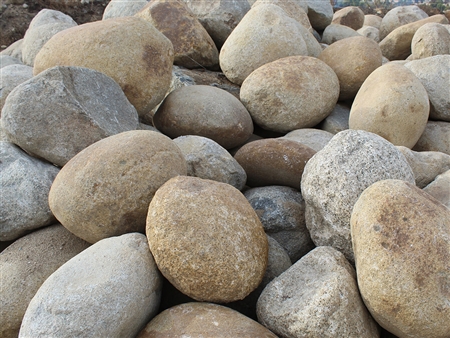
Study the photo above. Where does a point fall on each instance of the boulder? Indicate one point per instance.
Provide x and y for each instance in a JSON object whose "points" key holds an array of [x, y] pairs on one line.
{"points": [[14, 50], [192, 46], [111, 289], [6, 60], [316, 139], [274, 162], [335, 177], [207, 159], [320, 13], [105, 190], [206, 239], [283, 95], [436, 137], [121, 8], [433, 73], [440, 188], [335, 32], [401, 238], [338, 119], [130, 50], [372, 20], [370, 32], [429, 40], [25, 184], [25, 265], [78, 105], [392, 103], [282, 213], [203, 320], [353, 60], [12, 76], [350, 16], [400, 16], [207, 111], [316, 297]]}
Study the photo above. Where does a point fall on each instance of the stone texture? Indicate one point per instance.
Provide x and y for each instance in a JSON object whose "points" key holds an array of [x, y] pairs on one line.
{"points": [[370, 32], [105, 190], [14, 50], [317, 297], [133, 52], [81, 106], [434, 74], [11, 76], [426, 165], [25, 265], [320, 13], [207, 111], [392, 103], [440, 188], [436, 137], [111, 289], [206, 239], [350, 16], [265, 34], [372, 20], [335, 177], [401, 241], [192, 46], [282, 214], [6, 60], [397, 45], [353, 60], [207, 159], [400, 16], [25, 183], [338, 119], [203, 320], [274, 162], [121, 8], [283, 95], [316, 139], [429, 40], [335, 32]]}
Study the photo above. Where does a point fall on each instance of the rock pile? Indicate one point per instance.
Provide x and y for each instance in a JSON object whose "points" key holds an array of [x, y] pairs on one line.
{"points": [[288, 163]]}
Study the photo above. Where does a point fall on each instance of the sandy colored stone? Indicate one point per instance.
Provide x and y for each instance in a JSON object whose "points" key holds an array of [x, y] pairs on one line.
{"points": [[283, 95], [207, 111], [372, 20], [338, 119], [206, 239], [401, 239], [336, 32], [12, 76], [370, 32], [105, 190], [400, 16], [440, 188], [130, 50], [111, 289], [353, 60], [203, 320], [316, 297], [350, 16], [274, 162], [392, 103], [192, 46], [316, 139], [120, 8], [25, 265], [436, 137], [429, 40]]}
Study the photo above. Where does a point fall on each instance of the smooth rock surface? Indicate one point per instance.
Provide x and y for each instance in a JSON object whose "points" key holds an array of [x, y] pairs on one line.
{"points": [[350, 16], [206, 239], [335, 177], [370, 32], [400, 16], [14, 50], [11, 76], [119, 271], [338, 119], [81, 106], [316, 139], [401, 239], [440, 188], [429, 40], [120, 8], [105, 190], [436, 137], [336, 32], [372, 20]]}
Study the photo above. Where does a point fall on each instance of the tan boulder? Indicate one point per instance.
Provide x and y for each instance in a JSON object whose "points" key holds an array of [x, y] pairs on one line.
{"points": [[129, 50], [353, 60], [370, 32], [435, 137], [206, 239], [336, 32], [400, 16], [372, 20], [350, 16], [429, 40], [392, 103], [283, 95], [401, 239], [105, 190], [192, 46]]}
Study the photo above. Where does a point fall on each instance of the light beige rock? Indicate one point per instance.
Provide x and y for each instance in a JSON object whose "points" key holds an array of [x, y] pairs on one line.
{"points": [[105, 190], [193, 47], [336, 32], [370, 32], [316, 139], [11, 76], [372, 20], [350, 16], [429, 40], [25, 265], [401, 239], [133, 52], [436, 137], [283, 95], [400, 16], [203, 320], [353, 60], [440, 188], [206, 239], [120, 8], [392, 103]]}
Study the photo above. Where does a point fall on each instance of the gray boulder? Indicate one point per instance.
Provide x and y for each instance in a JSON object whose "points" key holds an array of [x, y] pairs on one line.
{"points": [[10, 77], [436, 137], [120, 8]]}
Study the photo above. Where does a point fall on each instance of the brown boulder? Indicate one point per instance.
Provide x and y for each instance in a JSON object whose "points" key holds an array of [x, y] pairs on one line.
{"points": [[350, 16]]}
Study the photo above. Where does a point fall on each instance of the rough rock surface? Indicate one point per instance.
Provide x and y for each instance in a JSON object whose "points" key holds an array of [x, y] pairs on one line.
{"points": [[335, 177], [79, 105], [12, 76], [105, 190], [401, 239], [400, 16], [440, 188], [350, 16], [436, 137], [316, 297], [206, 239], [429, 40], [316, 139], [119, 271]]}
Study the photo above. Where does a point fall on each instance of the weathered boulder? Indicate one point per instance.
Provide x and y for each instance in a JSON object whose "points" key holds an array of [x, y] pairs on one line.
{"points": [[335, 32], [350, 16], [78, 105], [440, 188], [400, 16], [120, 8], [316, 297], [335, 177], [370, 32], [401, 239], [11, 76], [111, 289], [283, 95], [372, 20], [105, 190], [429, 40], [206, 239], [320, 13], [436, 137], [338, 119], [316, 139]]}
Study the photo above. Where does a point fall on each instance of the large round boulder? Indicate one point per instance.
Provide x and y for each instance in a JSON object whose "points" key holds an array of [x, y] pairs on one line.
{"points": [[429, 40], [400, 16]]}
